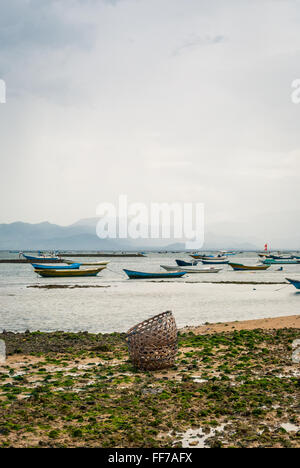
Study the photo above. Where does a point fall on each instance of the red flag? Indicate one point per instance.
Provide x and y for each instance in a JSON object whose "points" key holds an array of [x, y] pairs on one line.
{"points": [[266, 247]]}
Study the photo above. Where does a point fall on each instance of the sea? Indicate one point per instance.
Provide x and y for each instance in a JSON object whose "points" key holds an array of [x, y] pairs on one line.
{"points": [[121, 303]]}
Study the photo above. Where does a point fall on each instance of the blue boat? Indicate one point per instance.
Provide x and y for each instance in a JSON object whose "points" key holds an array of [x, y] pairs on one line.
{"points": [[182, 263], [141, 275], [41, 257], [73, 266], [295, 283]]}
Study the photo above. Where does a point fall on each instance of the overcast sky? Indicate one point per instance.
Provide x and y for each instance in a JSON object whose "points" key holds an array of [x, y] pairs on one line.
{"points": [[162, 100]]}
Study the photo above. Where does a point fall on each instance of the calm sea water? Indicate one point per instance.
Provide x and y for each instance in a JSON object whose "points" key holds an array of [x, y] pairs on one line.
{"points": [[126, 302]]}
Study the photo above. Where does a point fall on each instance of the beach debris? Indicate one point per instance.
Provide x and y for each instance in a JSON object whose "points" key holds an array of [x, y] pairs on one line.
{"points": [[289, 427], [296, 351], [197, 437], [2, 351], [152, 344], [152, 390]]}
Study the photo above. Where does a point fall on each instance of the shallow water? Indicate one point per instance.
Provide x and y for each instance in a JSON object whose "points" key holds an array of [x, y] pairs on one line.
{"points": [[126, 302], [197, 438]]}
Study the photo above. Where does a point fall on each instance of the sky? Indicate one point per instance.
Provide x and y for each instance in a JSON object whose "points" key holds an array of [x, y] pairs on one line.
{"points": [[161, 100]]}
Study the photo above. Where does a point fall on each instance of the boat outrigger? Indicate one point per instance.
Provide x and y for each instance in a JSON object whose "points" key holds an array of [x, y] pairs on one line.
{"points": [[191, 269]]}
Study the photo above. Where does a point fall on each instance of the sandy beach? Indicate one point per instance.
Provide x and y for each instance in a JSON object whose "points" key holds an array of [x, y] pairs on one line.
{"points": [[275, 323]]}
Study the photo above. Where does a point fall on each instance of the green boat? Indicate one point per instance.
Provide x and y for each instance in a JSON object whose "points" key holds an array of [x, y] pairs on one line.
{"points": [[271, 261]]}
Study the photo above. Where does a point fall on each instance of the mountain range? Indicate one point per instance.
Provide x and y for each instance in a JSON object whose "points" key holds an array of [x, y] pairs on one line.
{"points": [[82, 236]]}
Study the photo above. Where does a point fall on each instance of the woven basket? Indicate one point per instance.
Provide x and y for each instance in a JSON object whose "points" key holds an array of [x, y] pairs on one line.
{"points": [[152, 344]]}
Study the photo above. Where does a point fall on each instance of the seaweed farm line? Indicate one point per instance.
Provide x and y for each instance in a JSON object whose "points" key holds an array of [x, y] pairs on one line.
{"points": [[111, 302]]}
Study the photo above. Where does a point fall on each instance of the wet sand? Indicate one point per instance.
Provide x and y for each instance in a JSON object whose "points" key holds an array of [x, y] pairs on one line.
{"points": [[233, 389], [275, 323]]}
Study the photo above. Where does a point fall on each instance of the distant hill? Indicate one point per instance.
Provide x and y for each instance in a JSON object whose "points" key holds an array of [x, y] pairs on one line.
{"points": [[82, 236]]}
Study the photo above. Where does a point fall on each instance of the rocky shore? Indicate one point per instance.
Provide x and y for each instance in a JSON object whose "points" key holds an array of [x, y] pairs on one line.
{"points": [[233, 385]]}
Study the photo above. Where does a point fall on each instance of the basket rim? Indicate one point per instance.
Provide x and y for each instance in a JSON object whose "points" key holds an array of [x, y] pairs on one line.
{"points": [[150, 319]]}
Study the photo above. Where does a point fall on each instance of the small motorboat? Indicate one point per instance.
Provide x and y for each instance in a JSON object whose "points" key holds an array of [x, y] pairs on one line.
{"points": [[182, 263], [44, 266], [241, 267], [66, 273], [143, 275], [101, 263], [191, 269], [44, 258], [294, 282], [201, 256], [271, 261], [216, 261]]}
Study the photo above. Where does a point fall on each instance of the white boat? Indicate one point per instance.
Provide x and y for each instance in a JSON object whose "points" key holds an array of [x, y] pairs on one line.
{"points": [[191, 269], [216, 261], [101, 263]]}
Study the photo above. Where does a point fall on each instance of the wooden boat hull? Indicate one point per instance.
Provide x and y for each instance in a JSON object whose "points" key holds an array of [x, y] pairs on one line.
{"points": [[191, 269], [215, 262], [295, 283], [38, 266], [182, 263], [143, 275], [69, 273], [240, 267]]}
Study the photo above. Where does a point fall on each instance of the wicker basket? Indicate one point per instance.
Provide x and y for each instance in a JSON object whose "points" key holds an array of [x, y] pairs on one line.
{"points": [[152, 344]]}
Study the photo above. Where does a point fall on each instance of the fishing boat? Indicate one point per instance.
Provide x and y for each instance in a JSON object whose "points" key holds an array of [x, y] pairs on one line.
{"points": [[241, 267], [182, 263], [66, 273], [278, 256], [101, 263], [191, 269], [216, 261], [227, 254], [295, 283], [143, 275], [271, 261], [44, 266], [201, 256], [41, 257]]}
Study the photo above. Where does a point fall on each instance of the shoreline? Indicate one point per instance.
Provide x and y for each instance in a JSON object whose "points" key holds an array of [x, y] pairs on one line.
{"points": [[275, 323]]}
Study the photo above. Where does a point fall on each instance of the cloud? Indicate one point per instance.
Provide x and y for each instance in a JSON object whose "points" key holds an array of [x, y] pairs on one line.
{"points": [[97, 105], [196, 41]]}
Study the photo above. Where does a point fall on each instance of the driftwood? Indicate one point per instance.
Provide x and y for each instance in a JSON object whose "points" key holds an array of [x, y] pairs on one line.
{"points": [[152, 344]]}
